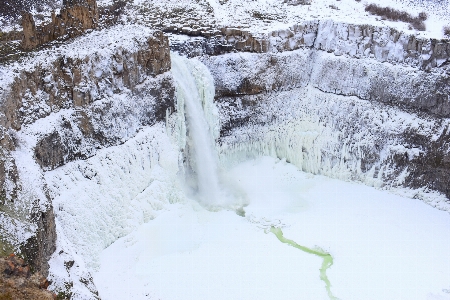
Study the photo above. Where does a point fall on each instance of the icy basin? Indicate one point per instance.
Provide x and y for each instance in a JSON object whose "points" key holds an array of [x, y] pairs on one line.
{"points": [[384, 246]]}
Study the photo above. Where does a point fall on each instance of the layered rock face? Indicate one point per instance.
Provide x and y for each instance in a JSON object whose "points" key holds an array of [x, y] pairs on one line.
{"points": [[66, 105], [383, 44], [75, 18]]}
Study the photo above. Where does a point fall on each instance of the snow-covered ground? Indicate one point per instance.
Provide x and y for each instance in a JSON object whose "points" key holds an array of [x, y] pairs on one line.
{"points": [[384, 246], [347, 11], [267, 15]]}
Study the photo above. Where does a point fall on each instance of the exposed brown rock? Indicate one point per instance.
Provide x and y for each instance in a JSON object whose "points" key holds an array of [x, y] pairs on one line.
{"points": [[65, 81], [157, 58], [38, 249], [17, 281], [432, 167], [50, 151], [75, 18], [13, 35]]}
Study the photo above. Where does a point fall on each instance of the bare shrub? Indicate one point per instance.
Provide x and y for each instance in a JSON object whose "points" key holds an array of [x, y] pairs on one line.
{"points": [[332, 6], [392, 14], [446, 30], [109, 15], [12, 9], [423, 16], [418, 25]]}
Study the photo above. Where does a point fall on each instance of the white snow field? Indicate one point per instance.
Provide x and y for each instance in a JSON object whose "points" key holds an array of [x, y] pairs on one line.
{"points": [[384, 246]]}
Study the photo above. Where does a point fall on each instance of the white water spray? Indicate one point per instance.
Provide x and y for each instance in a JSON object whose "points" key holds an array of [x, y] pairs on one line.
{"points": [[195, 94]]}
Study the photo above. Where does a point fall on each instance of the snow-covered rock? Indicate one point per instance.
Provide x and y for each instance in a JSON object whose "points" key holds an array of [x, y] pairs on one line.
{"points": [[64, 104]]}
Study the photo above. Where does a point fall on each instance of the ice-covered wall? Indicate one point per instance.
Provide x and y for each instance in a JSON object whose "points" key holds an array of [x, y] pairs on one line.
{"points": [[362, 120], [341, 137], [103, 198]]}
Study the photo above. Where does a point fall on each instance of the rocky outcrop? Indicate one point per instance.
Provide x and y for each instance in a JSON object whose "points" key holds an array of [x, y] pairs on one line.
{"points": [[66, 106], [13, 35], [18, 282], [70, 81], [111, 122], [382, 44], [75, 18], [38, 248], [29, 229]]}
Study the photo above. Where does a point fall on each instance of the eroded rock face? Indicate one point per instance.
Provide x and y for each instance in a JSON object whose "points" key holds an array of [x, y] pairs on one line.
{"points": [[39, 248], [30, 229], [18, 282], [109, 122], [431, 165], [382, 44], [53, 111], [74, 19], [78, 81]]}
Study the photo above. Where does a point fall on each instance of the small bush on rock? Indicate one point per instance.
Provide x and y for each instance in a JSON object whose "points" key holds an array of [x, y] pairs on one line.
{"points": [[423, 16], [12, 9], [446, 30]]}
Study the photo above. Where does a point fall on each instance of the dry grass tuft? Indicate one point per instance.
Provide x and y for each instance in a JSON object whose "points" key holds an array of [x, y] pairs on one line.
{"points": [[392, 14], [446, 30]]}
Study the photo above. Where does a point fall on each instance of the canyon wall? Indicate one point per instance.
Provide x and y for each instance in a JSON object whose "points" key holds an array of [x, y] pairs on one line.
{"points": [[335, 76], [359, 41], [88, 133], [353, 119], [65, 105]]}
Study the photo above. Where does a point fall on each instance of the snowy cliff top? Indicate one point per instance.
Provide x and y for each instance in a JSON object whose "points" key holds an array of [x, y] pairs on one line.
{"points": [[260, 16], [265, 15], [346, 11], [105, 42]]}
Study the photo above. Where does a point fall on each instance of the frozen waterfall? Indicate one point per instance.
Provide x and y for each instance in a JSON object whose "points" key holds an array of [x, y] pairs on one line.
{"points": [[195, 95]]}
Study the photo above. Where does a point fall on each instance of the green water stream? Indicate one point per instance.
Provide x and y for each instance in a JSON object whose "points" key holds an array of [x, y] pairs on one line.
{"points": [[327, 258]]}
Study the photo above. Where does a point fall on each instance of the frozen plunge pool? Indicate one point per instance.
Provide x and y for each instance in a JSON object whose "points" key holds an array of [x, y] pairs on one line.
{"points": [[383, 246]]}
